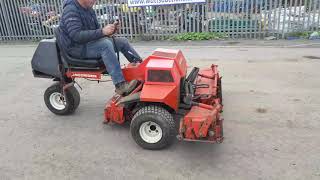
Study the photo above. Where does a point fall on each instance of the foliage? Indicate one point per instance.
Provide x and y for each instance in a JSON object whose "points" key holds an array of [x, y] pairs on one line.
{"points": [[198, 36], [302, 34]]}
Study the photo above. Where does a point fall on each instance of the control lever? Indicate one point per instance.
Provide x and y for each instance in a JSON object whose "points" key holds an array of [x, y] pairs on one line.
{"points": [[195, 86]]}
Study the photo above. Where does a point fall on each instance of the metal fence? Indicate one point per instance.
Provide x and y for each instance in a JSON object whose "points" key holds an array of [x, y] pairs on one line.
{"points": [[36, 19]]}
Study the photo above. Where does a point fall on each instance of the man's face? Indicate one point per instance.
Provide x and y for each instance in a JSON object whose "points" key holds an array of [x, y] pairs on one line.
{"points": [[89, 3]]}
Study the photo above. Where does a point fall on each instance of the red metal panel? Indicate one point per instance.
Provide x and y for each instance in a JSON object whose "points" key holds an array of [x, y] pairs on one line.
{"points": [[138, 71], [134, 71], [199, 121], [113, 112], [209, 77], [85, 74], [175, 55], [167, 94], [160, 63]]}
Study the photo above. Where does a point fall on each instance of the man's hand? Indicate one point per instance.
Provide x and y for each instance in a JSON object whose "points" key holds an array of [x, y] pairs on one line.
{"points": [[117, 26], [109, 29]]}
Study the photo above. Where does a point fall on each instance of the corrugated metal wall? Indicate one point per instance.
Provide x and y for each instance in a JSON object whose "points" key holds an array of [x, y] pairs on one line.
{"points": [[36, 19]]}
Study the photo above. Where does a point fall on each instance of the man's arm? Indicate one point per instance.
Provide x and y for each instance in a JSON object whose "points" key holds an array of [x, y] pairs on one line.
{"points": [[74, 28]]}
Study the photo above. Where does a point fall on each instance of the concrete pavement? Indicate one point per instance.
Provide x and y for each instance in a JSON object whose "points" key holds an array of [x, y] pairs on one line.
{"points": [[272, 123]]}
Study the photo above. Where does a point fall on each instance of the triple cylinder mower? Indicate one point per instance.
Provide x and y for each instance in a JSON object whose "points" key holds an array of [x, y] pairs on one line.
{"points": [[166, 103]]}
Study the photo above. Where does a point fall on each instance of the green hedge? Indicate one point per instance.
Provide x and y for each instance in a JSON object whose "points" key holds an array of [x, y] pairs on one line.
{"points": [[198, 36]]}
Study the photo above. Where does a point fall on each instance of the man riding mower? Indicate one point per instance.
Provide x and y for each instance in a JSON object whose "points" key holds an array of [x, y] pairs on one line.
{"points": [[80, 36], [161, 101]]}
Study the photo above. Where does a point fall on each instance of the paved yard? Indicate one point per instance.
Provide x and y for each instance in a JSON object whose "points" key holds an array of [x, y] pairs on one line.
{"points": [[272, 123]]}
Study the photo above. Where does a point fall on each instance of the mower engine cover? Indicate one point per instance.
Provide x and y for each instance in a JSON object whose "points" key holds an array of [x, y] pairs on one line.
{"points": [[162, 73], [45, 61]]}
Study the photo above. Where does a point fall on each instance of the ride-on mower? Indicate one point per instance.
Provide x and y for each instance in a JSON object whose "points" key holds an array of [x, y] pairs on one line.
{"points": [[166, 103]]}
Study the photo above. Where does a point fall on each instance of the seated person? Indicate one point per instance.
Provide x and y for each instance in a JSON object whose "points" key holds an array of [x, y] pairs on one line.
{"points": [[82, 37]]}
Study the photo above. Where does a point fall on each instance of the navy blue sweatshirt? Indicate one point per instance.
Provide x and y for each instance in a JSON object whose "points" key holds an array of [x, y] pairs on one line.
{"points": [[78, 26]]}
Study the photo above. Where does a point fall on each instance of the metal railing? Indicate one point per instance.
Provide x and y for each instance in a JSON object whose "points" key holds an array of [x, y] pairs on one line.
{"points": [[36, 19]]}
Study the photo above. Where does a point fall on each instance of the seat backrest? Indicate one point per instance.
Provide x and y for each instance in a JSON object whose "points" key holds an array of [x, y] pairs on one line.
{"points": [[57, 34], [61, 52], [66, 59]]}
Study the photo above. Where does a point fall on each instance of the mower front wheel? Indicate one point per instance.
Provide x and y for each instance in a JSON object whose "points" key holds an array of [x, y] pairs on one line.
{"points": [[60, 103], [153, 127]]}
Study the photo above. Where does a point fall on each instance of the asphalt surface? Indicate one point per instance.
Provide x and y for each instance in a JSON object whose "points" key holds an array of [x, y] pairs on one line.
{"points": [[272, 122]]}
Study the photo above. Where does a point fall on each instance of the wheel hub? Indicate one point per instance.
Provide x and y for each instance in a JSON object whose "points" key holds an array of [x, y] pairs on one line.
{"points": [[57, 101], [150, 132]]}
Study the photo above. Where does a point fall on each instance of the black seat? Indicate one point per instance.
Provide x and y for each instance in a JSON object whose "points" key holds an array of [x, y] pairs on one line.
{"points": [[76, 62]]}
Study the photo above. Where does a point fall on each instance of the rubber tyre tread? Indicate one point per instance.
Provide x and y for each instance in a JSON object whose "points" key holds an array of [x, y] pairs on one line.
{"points": [[76, 96], [160, 116]]}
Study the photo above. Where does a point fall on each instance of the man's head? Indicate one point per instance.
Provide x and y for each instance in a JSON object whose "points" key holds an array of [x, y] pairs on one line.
{"points": [[87, 3]]}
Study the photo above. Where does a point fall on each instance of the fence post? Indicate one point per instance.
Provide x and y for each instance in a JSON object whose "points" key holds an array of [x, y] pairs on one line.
{"points": [[284, 19], [130, 24], [6, 20]]}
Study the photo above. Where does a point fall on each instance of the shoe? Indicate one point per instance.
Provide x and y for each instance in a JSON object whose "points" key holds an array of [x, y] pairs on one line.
{"points": [[125, 88]]}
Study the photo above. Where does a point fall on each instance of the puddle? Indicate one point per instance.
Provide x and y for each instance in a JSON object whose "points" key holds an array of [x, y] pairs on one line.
{"points": [[311, 57], [261, 110]]}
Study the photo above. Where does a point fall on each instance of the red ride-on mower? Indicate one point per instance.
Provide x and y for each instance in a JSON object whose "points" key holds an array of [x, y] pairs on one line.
{"points": [[166, 104]]}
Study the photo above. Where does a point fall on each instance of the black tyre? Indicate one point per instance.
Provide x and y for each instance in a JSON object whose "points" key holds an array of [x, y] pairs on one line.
{"points": [[153, 127], [58, 103], [76, 96]]}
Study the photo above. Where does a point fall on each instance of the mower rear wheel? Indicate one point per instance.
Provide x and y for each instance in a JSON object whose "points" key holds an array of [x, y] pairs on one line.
{"points": [[61, 104], [153, 127]]}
